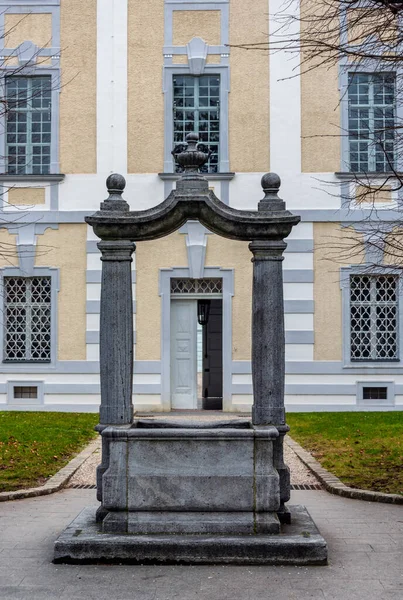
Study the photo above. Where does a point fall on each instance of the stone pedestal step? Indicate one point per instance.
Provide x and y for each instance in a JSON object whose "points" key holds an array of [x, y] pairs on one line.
{"points": [[299, 543]]}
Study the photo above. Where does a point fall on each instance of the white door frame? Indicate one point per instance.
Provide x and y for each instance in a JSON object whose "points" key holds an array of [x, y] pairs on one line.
{"points": [[165, 276]]}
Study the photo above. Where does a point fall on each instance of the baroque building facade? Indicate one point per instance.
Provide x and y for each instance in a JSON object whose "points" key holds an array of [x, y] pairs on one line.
{"points": [[111, 86]]}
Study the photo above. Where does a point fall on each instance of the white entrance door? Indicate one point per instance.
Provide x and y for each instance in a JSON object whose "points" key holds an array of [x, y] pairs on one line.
{"points": [[183, 354]]}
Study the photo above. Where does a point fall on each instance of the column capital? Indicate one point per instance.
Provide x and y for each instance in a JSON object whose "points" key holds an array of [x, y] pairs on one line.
{"points": [[267, 249], [116, 250]]}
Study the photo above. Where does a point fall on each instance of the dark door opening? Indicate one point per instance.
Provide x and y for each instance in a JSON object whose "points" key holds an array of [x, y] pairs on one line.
{"points": [[212, 364]]}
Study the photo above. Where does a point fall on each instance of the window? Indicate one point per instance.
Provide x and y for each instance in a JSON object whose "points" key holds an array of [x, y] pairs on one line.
{"points": [[27, 312], [373, 317], [28, 125], [371, 122], [374, 393], [196, 286], [197, 109], [25, 391]]}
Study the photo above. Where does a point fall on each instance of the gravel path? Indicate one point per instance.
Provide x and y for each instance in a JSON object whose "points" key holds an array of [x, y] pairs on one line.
{"points": [[299, 473]]}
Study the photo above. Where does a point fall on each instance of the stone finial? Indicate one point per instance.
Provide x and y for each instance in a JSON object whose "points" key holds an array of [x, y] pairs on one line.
{"points": [[191, 155], [115, 184], [192, 138], [271, 184]]}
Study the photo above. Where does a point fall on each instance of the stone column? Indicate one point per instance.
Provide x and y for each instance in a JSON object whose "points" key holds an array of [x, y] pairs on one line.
{"points": [[116, 323], [115, 345], [268, 366], [268, 339], [116, 333]]}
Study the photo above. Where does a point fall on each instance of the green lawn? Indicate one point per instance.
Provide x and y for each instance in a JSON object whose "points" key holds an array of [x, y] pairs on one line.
{"points": [[35, 445], [365, 450]]}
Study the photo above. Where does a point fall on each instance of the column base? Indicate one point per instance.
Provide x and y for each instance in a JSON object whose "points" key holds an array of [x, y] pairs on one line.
{"points": [[100, 514], [284, 515]]}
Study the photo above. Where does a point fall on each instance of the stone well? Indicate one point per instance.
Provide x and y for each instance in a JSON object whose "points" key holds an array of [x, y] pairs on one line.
{"points": [[193, 488]]}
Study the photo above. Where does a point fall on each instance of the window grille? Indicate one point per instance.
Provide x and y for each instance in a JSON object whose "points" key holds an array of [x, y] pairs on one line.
{"points": [[197, 109], [28, 125], [27, 310], [25, 391], [196, 286], [375, 393], [371, 121], [373, 317]]}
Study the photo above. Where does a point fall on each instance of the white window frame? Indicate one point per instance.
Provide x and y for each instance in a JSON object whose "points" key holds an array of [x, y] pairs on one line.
{"points": [[371, 145], [31, 65], [223, 73], [345, 274], [29, 112], [11, 400], [53, 273], [197, 109], [30, 308], [54, 143], [390, 393], [345, 68]]}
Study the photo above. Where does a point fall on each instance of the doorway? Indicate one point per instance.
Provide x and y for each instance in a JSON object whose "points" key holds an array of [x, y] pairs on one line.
{"points": [[196, 353], [211, 380]]}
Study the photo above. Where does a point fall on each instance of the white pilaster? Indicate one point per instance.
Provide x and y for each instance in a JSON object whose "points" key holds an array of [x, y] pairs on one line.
{"points": [[285, 93], [111, 86]]}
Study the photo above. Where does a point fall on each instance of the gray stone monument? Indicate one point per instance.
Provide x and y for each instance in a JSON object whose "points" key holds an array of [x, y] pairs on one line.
{"points": [[180, 488]]}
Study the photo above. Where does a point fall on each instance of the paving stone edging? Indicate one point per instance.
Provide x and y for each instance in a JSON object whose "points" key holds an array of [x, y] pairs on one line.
{"points": [[333, 484], [57, 481]]}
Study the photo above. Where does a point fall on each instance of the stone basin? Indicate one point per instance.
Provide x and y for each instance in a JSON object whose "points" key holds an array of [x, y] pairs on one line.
{"points": [[192, 421], [191, 474]]}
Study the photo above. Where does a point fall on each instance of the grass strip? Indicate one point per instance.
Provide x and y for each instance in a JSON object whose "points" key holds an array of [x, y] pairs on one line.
{"points": [[35, 445], [363, 449]]}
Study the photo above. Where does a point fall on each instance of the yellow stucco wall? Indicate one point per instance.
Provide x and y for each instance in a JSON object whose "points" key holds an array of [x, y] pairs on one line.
{"points": [[333, 247], [320, 121], [8, 249], [65, 249], [145, 97], [78, 86], [393, 254], [188, 24], [150, 258], [26, 196], [362, 23], [232, 254], [36, 28], [10, 61], [367, 195], [180, 59], [249, 97], [320, 112]]}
